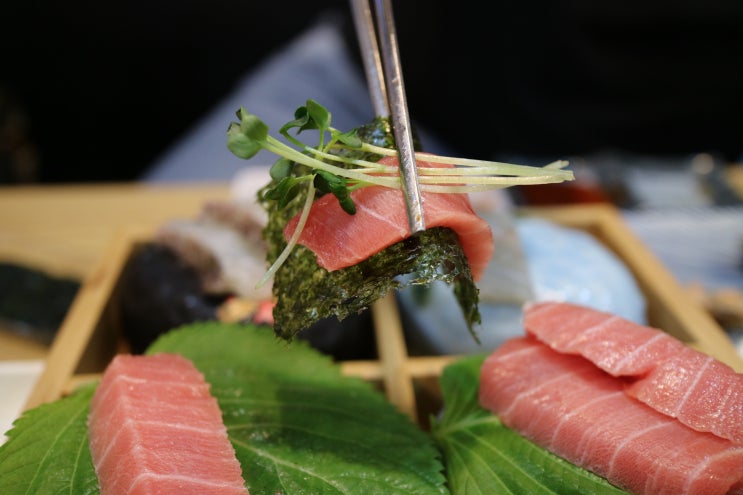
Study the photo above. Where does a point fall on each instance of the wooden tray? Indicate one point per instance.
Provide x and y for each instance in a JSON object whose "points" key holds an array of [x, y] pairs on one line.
{"points": [[91, 334]]}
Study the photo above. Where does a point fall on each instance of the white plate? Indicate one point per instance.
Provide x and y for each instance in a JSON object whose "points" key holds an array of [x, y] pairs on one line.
{"points": [[17, 379]]}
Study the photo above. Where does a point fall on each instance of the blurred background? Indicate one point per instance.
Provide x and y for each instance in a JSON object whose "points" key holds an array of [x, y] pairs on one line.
{"points": [[93, 91], [645, 99], [100, 91]]}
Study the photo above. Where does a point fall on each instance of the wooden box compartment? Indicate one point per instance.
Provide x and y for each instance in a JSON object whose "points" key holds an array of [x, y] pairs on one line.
{"points": [[91, 333]]}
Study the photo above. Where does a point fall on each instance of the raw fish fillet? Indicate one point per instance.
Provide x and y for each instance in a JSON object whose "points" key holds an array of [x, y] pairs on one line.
{"points": [[155, 429], [577, 411], [658, 370], [340, 240]]}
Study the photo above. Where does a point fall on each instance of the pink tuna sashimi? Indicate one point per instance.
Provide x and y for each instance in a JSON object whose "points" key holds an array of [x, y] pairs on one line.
{"points": [[702, 392], [155, 428], [340, 240], [570, 407]]}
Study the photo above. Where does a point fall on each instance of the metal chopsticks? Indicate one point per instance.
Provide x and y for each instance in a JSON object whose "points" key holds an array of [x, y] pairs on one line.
{"points": [[387, 90]]}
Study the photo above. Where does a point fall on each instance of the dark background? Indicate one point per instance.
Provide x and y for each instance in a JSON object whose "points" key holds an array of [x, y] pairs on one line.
{"points": [[94, 91]]}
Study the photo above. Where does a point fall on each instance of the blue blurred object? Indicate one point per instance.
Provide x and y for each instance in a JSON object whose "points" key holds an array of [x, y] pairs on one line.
{"points": [[564, 264], [699, 245]]}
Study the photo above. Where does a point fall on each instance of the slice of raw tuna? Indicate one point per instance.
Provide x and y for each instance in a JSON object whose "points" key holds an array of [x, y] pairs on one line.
{"points": [[155, 428], [340, 240], [659, 370], [572, 408]]}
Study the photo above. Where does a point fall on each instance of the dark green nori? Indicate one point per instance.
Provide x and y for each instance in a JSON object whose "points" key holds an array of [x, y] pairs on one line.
{"points": [[32, 302], [306, 293]]}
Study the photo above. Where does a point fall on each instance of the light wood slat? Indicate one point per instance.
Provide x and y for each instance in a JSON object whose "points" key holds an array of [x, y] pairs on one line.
{"points": [[83, 319], [393, 355], [63, 230]]}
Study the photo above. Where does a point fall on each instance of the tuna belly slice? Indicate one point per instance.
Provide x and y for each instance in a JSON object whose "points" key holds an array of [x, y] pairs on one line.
{"points": [[155, 429], [661, 371], [340, 240], [569, 406]]}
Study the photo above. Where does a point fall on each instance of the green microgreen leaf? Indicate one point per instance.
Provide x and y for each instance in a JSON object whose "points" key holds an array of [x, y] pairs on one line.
{"points": [[311, 116], [350, 138], [338, 186], [284, 192], [281, 169], [318, 114], [247, 137]]}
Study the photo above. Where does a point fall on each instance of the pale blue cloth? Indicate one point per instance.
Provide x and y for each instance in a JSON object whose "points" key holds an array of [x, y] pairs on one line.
{"points": [[699, 245]]}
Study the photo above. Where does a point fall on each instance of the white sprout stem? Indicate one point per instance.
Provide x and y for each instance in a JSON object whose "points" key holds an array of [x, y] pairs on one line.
{"points": [[497, 180], [471, 174], [466, 162], [475, 175], [471, 167], [281, 149], [294, 238], [469, 188]]}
